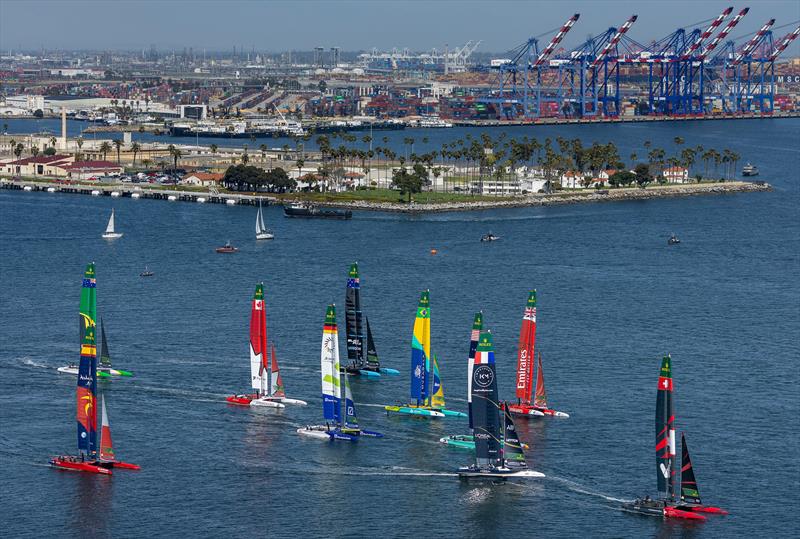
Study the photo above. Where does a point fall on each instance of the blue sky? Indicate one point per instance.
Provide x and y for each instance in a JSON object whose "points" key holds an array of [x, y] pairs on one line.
{"points": [[350, 25]]}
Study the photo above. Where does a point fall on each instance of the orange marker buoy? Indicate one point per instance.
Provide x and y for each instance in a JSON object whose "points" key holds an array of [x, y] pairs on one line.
{"points": [[434, 251]]}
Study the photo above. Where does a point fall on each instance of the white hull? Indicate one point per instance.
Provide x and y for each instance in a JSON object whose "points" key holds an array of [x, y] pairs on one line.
{"points": [[51, 189], [498, 473], [112, 235], [267, 403], [297, 402], [313, 433], [73, 370], [265, 236], [69, 370]]}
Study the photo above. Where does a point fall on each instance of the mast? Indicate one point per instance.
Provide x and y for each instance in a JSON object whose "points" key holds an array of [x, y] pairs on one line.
{"points": [[665, 431], [87, 370], [421, 349], [105, 356], [540, 400], [485, 417], [525, 350], [354, 329], [329, 358], [689, 491], [373, 360], [474, 336], [258, 340]]}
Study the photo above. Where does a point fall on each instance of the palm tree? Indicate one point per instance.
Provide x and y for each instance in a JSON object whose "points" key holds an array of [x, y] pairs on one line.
{"points": [[53, 141], [117, 144], [213, 149], [12, 144], [105, 147], [34, 151], [263, 149], [135, 148], [18, 150], [175, 153], [5, 128]]}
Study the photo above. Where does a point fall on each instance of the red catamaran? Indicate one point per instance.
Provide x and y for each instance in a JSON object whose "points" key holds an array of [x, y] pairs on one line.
{"points": [[92, 457], [528, 402], [264, 372], [688, 504]]}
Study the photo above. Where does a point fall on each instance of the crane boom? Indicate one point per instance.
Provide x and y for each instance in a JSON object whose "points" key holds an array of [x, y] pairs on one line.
{"points": [[710, 30], [785, 42], [754, 41], [613, 41], [556, 40], [725, 31]]}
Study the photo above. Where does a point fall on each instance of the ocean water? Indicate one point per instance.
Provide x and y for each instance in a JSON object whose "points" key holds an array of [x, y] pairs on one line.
{"points": [[613, 297]]}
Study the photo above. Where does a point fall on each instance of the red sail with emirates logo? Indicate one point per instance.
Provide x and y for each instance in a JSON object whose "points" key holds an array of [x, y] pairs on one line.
{"points": [[527, 342]]}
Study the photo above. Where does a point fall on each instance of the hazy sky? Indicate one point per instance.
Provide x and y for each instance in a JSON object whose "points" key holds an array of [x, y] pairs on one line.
{"points": [[351, 25]]}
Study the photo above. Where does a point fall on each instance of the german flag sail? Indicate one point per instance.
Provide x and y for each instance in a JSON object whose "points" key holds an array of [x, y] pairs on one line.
{"points": [[421, 375], [329, 357], [87, 368], [525, 350], [665, 430]]}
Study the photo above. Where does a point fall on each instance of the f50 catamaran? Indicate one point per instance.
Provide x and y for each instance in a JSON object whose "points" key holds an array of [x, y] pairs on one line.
{"points": [[527, 404], [91, 455], [337, 426], [264, 372], [104, 370], [426, 384], [688, 504], [362, 355], [492, 460]]}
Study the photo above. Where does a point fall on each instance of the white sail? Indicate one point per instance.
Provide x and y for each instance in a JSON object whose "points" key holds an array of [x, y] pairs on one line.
{"points": [[259, 222], [110, 227], [255, 370]]}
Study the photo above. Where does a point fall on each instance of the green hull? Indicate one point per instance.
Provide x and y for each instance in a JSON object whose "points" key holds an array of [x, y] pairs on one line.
{"points": [[464, 442], [410, 410]]}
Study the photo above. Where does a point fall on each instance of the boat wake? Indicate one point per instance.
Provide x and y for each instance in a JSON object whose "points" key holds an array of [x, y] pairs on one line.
{"points": [[580, 489]]}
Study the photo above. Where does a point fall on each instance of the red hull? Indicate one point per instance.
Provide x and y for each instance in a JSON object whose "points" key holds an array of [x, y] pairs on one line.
{"points": [[67, 463], [125, 465], [671, 512], [704, 509], [241, 400]]}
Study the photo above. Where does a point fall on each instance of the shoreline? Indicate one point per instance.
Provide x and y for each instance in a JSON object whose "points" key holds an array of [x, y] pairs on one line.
{"points": [[537, 200], [555, 199]]}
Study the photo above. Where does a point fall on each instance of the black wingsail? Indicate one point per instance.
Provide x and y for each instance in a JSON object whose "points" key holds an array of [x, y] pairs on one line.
{"points": [[665, 431], [512, 447], [485, 406], [354, 328], [105, 356], [689, 491], [372, 353]]}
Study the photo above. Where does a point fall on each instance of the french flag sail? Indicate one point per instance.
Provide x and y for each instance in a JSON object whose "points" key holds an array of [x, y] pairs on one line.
{"points": [[86, 394], [485, 405], [329, 358], [525, 350]]}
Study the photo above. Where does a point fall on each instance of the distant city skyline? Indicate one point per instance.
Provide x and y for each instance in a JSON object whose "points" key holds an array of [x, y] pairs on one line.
{"points": [[351, 25]]}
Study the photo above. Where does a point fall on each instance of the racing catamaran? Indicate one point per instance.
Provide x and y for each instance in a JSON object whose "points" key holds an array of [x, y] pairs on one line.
{"points": [[264, 372], [492, 461], [337, 426], [362, 355], [688, 505], [89, 458], [104, 369], [426, 386], [526, 405]]}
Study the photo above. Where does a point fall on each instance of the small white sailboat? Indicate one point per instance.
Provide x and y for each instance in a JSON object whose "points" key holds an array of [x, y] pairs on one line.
{"points": [[262, 232], [110, 232]]}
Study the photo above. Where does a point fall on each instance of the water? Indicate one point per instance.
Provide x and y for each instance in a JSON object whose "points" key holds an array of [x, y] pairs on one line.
{"points": [[613, 298]]}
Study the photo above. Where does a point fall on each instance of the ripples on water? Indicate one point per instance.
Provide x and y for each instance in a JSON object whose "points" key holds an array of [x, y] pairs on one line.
{"points": [[613, 298]]}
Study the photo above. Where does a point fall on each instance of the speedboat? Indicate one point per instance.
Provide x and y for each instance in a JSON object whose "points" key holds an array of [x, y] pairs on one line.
{"points": [[489, 237], [227, 248], [673, 240], [749, 170]]}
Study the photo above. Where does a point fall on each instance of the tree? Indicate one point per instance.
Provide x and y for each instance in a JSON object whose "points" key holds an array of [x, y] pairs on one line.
{"points": [[117, 144], [410, 182], [135, 148], [642, 174], [34, 151], [53, 141], [105, 147], [245, 157], [38, 113], [18, 150], [176, 154], [622, 177], [49, 151], [213, 149]]}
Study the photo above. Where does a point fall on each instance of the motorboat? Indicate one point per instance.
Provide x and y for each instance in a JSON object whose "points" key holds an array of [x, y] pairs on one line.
{"points": [[489, 237], [749, 170], [227, 248], [673, 240]]}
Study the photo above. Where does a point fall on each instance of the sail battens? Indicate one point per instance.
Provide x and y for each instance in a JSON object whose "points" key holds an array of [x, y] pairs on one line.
{"points": [[526, 349], [329, 360]]}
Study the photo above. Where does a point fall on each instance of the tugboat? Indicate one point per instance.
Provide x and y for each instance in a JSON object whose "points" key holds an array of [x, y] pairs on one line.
{"points": [[227, 248], [489, 237], [673, 240], [309, 211], [749, 170]]}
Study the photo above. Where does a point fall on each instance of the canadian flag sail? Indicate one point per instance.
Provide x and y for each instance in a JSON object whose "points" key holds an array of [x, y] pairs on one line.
{"points": [[525, 351]]}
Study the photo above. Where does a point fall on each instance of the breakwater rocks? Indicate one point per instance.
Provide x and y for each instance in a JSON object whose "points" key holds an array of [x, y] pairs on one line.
{"points": [[563, 197]]}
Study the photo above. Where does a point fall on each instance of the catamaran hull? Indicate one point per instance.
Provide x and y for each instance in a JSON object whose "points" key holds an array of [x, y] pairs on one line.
{"points": [[532, 411], [103, 373], [465, 442], [63, 463], [422, 412], [662, 511], [392, 372], [267, 403], [702, 509], [321, 432], [469, 472]]}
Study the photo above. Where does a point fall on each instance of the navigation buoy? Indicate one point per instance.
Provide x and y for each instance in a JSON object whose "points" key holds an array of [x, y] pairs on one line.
{"points": [[434, 251]]}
